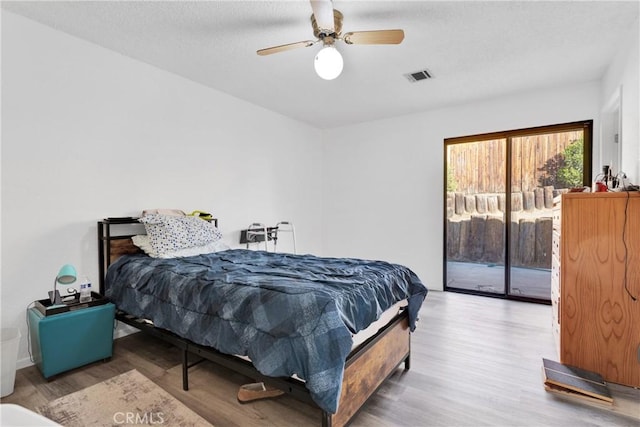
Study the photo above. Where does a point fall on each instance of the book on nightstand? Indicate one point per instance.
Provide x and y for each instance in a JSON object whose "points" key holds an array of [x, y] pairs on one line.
{"points": [[574, 382]]}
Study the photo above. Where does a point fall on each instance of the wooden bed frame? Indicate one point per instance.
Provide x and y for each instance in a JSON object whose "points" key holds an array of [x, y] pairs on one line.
{"points": [[366, 368]]}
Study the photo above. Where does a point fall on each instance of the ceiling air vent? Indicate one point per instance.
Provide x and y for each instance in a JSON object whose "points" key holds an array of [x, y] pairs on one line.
{"points": [[419, 75]]}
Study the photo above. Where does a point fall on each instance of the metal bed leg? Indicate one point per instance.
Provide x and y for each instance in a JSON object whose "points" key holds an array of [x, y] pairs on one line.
{"points": [[407, 362], [185, 370], [326, 419]]}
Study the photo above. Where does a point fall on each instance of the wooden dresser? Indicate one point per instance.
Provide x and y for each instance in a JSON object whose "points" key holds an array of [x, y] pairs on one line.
{"points": [[596, 320]]}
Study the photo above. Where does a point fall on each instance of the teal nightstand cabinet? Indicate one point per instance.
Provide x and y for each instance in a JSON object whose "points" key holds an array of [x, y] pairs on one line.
{"points": [[68, 340]]}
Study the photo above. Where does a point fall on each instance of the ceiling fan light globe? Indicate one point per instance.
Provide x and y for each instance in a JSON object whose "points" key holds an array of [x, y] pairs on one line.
{"points": [[328, 63]]}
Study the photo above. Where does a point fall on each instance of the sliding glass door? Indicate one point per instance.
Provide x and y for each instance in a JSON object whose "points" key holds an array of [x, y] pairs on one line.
{"points": [[500, 190]]}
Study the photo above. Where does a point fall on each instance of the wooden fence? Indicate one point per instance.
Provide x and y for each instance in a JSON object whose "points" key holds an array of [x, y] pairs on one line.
{"points": [[480, 167]]}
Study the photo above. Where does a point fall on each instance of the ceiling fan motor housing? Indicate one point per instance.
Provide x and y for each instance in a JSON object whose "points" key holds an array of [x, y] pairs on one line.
{"points": [[324, 34]]}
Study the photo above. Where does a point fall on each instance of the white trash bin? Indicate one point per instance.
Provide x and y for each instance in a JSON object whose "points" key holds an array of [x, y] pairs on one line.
{"points": [[10, 338]]}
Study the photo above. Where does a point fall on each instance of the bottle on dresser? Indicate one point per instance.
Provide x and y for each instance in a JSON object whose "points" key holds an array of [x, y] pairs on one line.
{"points": [[85, 289]]}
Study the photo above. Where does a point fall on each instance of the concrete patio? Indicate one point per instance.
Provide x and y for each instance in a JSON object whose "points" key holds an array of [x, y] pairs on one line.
{"points": [[525, 282]]}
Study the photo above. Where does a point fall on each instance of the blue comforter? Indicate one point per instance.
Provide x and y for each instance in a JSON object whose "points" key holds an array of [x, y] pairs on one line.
{"points": [[291, 314]]}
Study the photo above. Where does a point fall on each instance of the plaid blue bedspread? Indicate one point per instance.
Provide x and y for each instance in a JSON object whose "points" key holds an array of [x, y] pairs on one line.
{"points": [[291, 314]]}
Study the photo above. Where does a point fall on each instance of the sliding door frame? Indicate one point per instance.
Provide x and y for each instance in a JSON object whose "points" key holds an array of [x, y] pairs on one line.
{"points": [[585, 125]]}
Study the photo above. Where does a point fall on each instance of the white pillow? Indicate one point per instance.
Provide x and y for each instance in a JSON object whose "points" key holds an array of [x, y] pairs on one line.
{"points": [[142, 241], [168, 234]]}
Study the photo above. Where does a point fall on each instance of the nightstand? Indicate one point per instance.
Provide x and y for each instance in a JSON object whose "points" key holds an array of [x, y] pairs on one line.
{"points": [[69, 339]]}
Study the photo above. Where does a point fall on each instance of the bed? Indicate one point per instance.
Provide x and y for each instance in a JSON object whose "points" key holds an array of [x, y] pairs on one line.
{"points": [[293, 321]]}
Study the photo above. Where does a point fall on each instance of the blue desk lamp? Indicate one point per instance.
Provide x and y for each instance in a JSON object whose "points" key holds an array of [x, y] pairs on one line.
{"points": [[66, 276]]}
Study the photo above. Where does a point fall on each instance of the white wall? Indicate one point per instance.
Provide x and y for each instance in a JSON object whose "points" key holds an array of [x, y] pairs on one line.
{"points": [[383, 181], [624, 75], [88, 133]]}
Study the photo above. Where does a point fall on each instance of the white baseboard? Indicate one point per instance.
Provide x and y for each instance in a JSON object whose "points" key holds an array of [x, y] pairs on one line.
{"points": [[24, 363]]}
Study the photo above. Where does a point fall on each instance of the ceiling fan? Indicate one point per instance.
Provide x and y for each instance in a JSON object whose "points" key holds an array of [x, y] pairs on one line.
{"points": [[327, 28]]}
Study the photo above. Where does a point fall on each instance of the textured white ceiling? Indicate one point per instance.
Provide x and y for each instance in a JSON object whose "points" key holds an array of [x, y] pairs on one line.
{"points": [[475, 49]]}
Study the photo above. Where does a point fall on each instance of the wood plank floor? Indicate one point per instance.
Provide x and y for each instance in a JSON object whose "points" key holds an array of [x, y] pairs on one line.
{"points": [[475, 362]]}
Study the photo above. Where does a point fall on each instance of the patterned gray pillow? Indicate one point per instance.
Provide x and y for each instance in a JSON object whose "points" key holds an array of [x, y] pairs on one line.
{"points": [[171, 233]]}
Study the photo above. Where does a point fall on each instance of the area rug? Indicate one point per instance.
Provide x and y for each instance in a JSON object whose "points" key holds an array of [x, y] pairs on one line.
{"points": [[127, 399]]}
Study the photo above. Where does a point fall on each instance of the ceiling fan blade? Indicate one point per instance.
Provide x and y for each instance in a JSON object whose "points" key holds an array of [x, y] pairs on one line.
{"points": [[374, 37], [284, 47], [323, 12]]}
